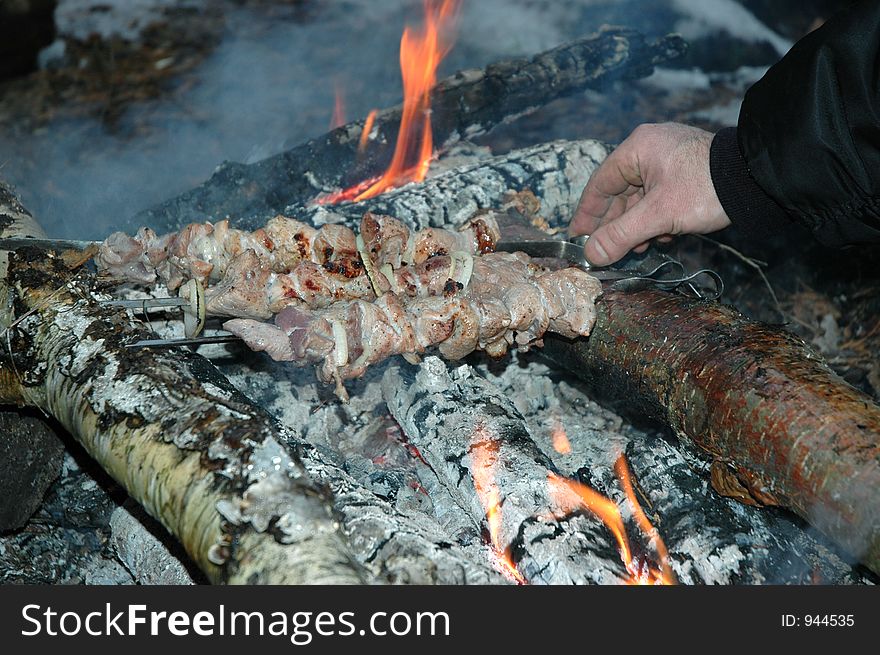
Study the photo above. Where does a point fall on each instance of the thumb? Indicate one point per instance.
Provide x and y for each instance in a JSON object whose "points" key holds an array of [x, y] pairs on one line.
{"points": [[615, 238]]}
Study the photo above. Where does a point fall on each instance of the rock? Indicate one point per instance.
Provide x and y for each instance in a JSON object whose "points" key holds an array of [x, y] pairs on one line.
{"points": [[30, 459]]}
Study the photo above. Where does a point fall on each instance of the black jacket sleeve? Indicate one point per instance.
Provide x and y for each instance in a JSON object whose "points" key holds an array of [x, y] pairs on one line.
{"points": [[807, 147]]}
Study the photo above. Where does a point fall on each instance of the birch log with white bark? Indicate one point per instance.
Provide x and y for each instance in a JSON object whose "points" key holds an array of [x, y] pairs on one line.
{"points": [[204, 463], [249, 501]]}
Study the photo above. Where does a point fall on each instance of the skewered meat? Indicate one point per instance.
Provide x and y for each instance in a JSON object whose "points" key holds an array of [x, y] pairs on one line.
{"points": [[257, 274], [203, 251], [508, 301], [206, 252]]}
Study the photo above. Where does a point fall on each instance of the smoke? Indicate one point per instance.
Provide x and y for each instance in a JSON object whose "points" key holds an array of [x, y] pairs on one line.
{"points": [[267, 86]]}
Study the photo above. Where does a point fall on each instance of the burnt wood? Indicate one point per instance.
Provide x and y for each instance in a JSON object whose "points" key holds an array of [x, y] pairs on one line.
{"points": [[465, 105]]}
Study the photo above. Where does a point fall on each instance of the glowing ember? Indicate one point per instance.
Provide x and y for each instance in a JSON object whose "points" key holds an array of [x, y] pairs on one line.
{"points": [[484, 456], [561, 444], [571, 496], [420, 54], [365, 133], [338, 118]]}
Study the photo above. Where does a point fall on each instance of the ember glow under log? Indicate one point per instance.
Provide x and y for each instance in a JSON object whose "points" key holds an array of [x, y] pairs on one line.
{"points": [[780, 426]]}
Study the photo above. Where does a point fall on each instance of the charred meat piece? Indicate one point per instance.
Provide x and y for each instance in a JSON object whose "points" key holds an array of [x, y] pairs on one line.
{"points": [[508, 301]]}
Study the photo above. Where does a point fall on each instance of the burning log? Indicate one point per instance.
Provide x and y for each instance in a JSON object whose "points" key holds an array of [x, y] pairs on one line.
{"points": [[464, 105], [480, 448], [203, 461], [779, 425], [555, 172]]}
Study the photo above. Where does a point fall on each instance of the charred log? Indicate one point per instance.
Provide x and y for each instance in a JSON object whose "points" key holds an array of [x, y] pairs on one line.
{"points": [[464, 426], [464, 105], [779, 425], [555, 172], [30, 460]]}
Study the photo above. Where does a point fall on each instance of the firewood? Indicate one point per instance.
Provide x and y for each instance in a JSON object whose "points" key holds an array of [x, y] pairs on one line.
{"points": [[465, 105], [31, 451], [555, 172], [780, 426]]}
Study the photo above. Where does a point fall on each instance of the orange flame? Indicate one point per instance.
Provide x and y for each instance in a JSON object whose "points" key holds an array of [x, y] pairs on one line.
{"points": [[645, 525], [484, 457], [571, 496], [420, 54], [365, 132], [559, 438], [338, 118]]}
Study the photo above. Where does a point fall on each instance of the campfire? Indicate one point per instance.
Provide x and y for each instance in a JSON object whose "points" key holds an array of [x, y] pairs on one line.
{"points": [[420, 54], [296, 446]]}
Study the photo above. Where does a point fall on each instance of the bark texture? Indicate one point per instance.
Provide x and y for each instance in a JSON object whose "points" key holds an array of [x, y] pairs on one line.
{"points": [[30, 455], [780, 426], [464, 105]]}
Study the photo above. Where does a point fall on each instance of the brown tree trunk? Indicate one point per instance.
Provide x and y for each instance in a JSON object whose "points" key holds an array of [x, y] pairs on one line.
{"points": [[781, 427]]}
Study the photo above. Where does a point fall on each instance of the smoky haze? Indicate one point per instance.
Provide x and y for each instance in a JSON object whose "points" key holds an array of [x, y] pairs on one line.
{"points": [[269, 85]]}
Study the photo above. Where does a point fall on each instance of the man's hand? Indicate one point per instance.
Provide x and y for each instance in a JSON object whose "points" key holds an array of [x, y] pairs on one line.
{"points": [[655, 184]]}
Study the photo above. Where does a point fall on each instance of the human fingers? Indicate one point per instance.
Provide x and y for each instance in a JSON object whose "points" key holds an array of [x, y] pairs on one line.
{"points": [[632, 229], [617, 177]]}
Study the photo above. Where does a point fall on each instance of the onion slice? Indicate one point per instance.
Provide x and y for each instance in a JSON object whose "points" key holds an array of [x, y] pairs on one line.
{"points": [[194, 313], [340, 338], [463, 262], [388, 272], [368, 265]]}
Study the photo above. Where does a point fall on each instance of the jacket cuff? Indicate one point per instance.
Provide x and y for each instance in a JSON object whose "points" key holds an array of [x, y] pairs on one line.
{"points": [[748, 207]]}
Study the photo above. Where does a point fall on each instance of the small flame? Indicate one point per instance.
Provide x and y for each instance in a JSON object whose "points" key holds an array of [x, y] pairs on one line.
{"points": [[645, 525], [338, 118], [559, 438], [570, 496], [484, 457], [420, 54], [365, 132]]}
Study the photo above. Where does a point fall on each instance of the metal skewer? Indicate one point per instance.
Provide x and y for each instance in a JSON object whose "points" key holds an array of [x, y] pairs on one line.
{"points": [[174, 343], [11, 243], [148, 303]]}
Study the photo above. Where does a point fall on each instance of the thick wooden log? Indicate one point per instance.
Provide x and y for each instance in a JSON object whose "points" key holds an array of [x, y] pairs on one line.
{"points": [[31, 451], [472, 436], [780, 426], [464, 105]]}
